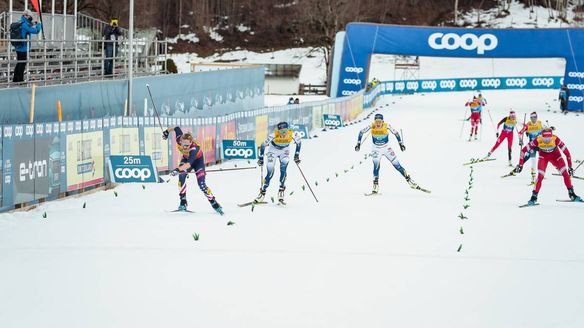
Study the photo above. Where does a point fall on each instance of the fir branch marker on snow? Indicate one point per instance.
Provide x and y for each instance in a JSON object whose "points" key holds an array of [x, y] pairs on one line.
{"points": [[336, 174], [291, 193], [272, 198], [84, 205], [143, 187], [327, 179], [466, 198], [195, 236], [316, 183], [459, 248], [465, 206], [303, 187], [115, 194], [44, 215], [461, 231], [230, 223], [462, 217]]}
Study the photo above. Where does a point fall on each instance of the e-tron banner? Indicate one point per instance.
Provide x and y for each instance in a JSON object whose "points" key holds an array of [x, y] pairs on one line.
{"points": [[464, 84], [362, 40]]}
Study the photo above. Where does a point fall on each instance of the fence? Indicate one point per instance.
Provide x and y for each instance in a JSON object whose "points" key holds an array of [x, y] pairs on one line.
{"points": [[45, 161]]}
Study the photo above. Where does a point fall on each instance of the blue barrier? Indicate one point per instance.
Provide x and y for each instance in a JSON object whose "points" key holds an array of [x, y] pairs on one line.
{"points": [[461, 84]]}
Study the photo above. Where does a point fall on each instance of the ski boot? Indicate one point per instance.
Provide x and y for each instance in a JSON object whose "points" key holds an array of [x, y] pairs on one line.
{"points": [[216, 206], [375, 185], [533, 199], [488, 155], [183, 203], [573, 196], [475, 138], [260, 197], [470, 138], [281, 195], [411, 182]]}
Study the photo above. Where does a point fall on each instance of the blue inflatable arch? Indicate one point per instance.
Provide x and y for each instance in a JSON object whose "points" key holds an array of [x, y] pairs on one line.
{"points": [[354, 48]]}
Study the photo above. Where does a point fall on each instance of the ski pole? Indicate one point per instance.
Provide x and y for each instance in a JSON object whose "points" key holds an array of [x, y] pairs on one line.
{"points": [[154, 105], [220, 170], [402, 135], [578, 165], [463, 122], [308, 184], [492, 122]]}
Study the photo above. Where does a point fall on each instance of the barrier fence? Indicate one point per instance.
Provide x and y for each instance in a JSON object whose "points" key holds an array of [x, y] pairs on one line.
{"points": [[46, 161], [463, 84]]}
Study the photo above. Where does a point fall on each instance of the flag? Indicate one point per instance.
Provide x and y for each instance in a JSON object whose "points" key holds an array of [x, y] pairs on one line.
{"points": [[37, 8]]}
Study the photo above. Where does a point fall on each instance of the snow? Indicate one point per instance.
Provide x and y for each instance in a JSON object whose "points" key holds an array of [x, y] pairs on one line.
{"points": [[190, 37], [519, 16], [242, 28], [312, 61], [213, 34], [346, 261]]}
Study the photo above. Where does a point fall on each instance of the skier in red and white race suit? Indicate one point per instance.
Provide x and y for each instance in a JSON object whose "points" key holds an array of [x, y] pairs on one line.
{"points": [[549, 147], [509, 123], [476, 107]]}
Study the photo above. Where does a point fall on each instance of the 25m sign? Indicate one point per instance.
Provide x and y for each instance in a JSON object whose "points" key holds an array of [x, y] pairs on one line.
{"points": [[239, 149], [125, 169]]}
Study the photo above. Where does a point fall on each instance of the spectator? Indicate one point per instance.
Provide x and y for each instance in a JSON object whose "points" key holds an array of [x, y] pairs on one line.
{"points": [[291, 101], [564, 97], [110, 33], [27, 26], [296, 101]]}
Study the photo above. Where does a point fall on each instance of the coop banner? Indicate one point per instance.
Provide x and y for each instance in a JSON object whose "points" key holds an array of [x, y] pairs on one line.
{"points": [[301, 130], [332, 121], [132, 168], [239, 149]]}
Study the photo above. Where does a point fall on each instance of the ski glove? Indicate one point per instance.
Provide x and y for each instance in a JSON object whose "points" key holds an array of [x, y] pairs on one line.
{"points": [[174, 172], [261, 161], [358, 147], [297, 159], [401, 146], [570, 171], [518, 168], [520, 143], [164, 134]]}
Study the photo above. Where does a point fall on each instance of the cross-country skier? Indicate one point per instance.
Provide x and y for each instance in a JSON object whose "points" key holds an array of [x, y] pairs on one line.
{"points": [[482, 99], [533, 129], [279, 142], [192, 160], [475, 116], [549, 147], [380, 134], [509, 123]]}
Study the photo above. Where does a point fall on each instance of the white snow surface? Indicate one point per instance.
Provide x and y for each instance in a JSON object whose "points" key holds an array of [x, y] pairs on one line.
{"points": [[346, 261], [312, 61]]}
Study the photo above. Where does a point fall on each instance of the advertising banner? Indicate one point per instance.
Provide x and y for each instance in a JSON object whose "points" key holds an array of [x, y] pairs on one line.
{"points": [[85, 162], [228, 130], [239, 149], [156, 148], [332, 121], [246, 128], [124, 140], [261, 125], [207, 137], [132, 168], [301, 130]]}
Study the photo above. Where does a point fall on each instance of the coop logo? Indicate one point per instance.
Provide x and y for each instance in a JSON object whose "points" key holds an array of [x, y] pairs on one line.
{"points": [[332, 120], [412, 86], [352, 69], [389, 86], [127, 169], [577, 99], [352, 81], [494, 83], [576, 74], [239, 149], [301, 130], [348, 93], [429, 85], [400, 86], [468, 41], [516, 82], [575, 86], [546, 82], [32, 170], [448, 84], [468, 83], [133, 173]]}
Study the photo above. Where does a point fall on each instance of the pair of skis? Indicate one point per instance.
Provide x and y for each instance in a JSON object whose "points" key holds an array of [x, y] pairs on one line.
{"points": [[414, 186], [557, 200], [479, 160]]}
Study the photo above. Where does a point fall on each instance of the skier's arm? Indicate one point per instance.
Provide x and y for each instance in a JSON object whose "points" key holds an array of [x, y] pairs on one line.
{"points": [[362, 132], [395, 133], [501, 122], [531, 145], [264, 144], [565, 150]]}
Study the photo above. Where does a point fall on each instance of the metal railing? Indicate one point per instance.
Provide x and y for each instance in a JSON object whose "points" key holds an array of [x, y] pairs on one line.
{"points": [[59, 62]]}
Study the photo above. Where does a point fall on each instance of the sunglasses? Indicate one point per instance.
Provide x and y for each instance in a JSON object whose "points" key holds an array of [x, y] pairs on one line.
{"points": [[533, 117], [185, 145]]}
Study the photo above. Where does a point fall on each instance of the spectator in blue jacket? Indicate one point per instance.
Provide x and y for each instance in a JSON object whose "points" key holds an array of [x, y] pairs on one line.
{"points": [[27, 27]]}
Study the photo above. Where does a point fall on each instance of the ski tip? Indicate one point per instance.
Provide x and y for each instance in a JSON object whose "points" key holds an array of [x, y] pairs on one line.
{"points": [[528, 205]]}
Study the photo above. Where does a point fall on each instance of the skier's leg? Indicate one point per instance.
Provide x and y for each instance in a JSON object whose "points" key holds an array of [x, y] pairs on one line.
{"points": [[541, 167], [560, 165], [497, 143], [270, 164], [390, 155], [284, 160], [182, 187]]}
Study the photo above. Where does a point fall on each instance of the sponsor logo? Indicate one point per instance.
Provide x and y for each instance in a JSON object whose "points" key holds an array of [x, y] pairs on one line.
{"points": [[577, 99], [352, 81], [495, 83], [516, 82], [352, 69], [33, 170], [429, 85], [468, 83], [576, 86], [400, 86], [390, 87], [332, 122], [547, 82], [412, 86], [448, 84], [245, 153], [468, 41], [576, 74], [136, 173]]}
